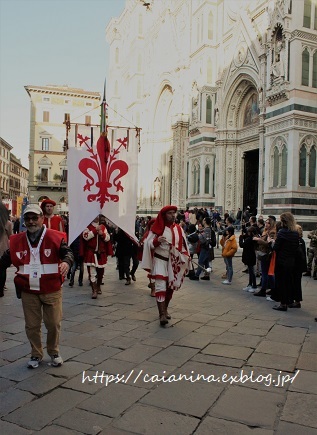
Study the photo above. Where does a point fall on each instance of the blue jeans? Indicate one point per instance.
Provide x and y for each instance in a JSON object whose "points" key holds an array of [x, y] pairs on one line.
{"points": [[267, 280], [203, 260], [229, 268]]}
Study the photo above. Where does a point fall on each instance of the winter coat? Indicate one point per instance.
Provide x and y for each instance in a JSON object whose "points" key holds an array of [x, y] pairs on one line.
{"points": [[229, 246], [248, 254]]}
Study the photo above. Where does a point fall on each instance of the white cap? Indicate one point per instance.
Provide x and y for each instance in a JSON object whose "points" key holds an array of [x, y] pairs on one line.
{"points": [[33, 208]]}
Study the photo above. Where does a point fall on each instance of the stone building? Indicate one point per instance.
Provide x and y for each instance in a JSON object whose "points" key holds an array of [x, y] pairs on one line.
{"points": [[225, 93], [51, 107], [5, 150]]}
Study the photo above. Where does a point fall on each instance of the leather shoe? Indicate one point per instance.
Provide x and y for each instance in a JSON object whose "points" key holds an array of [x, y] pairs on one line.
{"points": [[280, 308], [205, 278], [295, 305], [260, 293]]}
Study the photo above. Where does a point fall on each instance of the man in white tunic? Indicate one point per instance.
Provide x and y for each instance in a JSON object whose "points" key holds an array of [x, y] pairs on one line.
{"points": [[166, 258]]}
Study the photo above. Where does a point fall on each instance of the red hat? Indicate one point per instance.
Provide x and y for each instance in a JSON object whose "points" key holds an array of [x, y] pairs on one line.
{"points": [[159, 224], [47, 201]]}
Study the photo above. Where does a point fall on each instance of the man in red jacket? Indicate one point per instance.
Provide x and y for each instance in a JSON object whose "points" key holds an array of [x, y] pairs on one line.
{"points": [[51, 220], [42, 259]]}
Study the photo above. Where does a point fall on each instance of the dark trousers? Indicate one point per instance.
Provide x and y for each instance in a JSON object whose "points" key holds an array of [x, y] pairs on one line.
{"points": [[285, 283], [3, 278], [252, 279], [78, 262]]}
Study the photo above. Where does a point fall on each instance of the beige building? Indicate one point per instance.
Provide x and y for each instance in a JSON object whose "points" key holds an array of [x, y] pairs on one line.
{"points": [[51, 107], [5, 150], [225, 93], [18, 178]]}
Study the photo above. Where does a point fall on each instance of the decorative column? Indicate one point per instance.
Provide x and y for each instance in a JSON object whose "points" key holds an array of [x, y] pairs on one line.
{"points": [[178, 186]]}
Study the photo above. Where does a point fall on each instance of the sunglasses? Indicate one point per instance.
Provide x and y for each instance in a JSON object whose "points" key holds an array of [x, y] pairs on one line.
{"points": [[31, 218]]}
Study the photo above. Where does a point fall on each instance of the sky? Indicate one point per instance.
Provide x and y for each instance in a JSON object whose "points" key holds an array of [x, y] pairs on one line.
{"points": [[60, 42]]}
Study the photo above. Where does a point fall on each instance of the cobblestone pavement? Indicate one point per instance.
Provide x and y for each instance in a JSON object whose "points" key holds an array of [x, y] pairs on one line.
{"points": [[118, 361]]}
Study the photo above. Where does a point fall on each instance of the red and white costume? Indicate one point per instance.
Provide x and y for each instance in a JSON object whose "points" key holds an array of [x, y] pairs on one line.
{"points": [[96, 250], [166, 262]]}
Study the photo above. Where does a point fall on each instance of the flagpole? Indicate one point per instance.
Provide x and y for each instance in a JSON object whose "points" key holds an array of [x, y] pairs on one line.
{"points": [[103, 121]]}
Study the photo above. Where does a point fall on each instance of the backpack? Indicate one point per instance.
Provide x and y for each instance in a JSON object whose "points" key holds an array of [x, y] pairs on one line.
{"points": [[193, 238]]}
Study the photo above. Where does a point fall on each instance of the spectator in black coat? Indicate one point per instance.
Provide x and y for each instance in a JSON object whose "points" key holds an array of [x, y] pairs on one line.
{"points": [[248, 256], [300, 267], [285, 246]]}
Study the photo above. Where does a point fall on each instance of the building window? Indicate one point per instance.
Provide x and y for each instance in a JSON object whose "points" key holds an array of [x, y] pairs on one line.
{"points": [[302, 166], [44, 175], [284, 167], [46, 116], [305, 67], [196, 176], [67, 101], [208, 109], [275, 167], [307, 13], [46, 99], [45, 144], [207, 179], [87, 120], [315, 69], [66, 117], [64, 176], [88, 104], [279, 163], [312, 167]]}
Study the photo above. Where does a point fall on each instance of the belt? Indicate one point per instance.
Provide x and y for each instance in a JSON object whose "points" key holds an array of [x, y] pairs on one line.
{"points": [[160, 257]]}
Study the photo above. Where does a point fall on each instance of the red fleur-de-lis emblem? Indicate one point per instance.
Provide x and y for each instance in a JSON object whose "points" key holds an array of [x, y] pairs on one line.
{"points": [[103, 170]]}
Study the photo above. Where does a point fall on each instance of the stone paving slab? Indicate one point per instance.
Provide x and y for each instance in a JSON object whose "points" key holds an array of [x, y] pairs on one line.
{"points": [[188, 398], [228, 351], [231, 338], [57, 430], [146, 420], [281, 362], [6, 384], [251, 407], [113, 399], [12, 429], [216, 426], [83, 421], [218, 360], [39, 413], [307, 361], [97, 355], [175, 355], [13, 399], [294, 429], [305, 382], [44, 383], [278, 348], [300, 409]]}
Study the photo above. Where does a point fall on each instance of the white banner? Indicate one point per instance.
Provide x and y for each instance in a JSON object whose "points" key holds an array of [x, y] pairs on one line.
{"points": [[102, 179]]}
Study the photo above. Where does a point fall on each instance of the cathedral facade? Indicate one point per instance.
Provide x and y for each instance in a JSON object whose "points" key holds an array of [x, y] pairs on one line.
{"points": [[225, 93]]}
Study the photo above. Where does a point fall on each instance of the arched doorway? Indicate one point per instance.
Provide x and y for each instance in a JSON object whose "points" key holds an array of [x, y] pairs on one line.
{"points": [[240, 150]]}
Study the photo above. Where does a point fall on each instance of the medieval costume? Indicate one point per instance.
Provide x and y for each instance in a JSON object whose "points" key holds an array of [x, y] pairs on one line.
{"points": [[97, 247], [166, 258]]}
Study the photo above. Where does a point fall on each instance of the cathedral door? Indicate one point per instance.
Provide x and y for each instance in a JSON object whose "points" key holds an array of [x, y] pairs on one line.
{"points": [[251, 178]]}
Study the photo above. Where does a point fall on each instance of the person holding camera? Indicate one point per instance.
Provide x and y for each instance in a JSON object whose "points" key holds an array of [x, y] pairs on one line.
{"points": [[207, 239]]}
